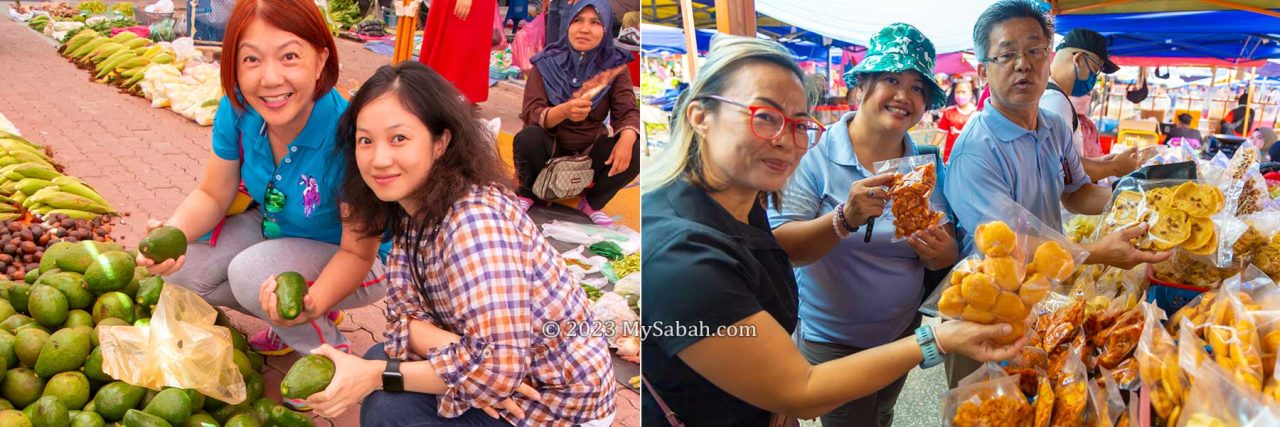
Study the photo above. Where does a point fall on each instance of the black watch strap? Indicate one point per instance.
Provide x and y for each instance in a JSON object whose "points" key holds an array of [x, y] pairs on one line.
{"points": [[392, 380]]}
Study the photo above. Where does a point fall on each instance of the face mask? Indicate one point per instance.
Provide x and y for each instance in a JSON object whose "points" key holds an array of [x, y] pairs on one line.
{"points": [[963, 99], [1083, 86]]}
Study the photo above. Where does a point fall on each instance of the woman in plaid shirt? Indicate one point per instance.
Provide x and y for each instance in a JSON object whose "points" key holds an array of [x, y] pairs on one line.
{"points": [[471, 280]]}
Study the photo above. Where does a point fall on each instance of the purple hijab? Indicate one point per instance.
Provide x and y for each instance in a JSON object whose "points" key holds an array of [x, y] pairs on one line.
{"points": [[564, 69]]}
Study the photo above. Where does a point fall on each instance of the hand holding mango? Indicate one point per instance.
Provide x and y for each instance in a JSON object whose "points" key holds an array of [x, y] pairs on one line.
{"points": [[163, 250], [285, 300]]}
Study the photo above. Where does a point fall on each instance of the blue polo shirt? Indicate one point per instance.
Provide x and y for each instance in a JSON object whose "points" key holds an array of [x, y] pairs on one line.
{"points": [[995, 160], [309, 175], [860, 294]]}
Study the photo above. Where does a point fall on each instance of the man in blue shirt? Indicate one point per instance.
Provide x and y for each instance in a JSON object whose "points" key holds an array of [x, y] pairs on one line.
{"points": [[1015, 151]]}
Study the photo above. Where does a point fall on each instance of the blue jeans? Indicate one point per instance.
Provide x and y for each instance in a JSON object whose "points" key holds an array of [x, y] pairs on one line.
{"points": [[408, 409]]}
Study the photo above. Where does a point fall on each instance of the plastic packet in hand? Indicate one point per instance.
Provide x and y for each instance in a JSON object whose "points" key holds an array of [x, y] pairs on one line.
{"points": [[181, 348], [911, 207], [1017, 261]]}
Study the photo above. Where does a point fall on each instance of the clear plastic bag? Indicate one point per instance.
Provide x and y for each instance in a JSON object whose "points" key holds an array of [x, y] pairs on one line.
{"points": [[1157, 355], [181, 348], [1106, 399], [1216, 400], [1071, 392], [997, 402], [910, 207], [997, 284], [1182, 214]]}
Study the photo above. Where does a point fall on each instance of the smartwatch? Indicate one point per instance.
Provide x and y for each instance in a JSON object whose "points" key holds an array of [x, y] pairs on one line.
{"points": [[929, 346], [392, 381]]}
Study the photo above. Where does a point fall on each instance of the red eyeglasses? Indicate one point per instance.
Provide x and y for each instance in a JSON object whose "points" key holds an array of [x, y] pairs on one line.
{"points": [[768, 123]]}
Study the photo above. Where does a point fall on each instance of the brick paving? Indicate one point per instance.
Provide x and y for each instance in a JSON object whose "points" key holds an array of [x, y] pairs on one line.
{"points": [[144, 160]]}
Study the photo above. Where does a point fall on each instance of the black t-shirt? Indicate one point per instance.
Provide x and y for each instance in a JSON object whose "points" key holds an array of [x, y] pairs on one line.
{"points": [[702, 266]]}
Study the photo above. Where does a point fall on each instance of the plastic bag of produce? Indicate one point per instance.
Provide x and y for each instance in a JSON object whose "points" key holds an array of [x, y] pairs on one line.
{"points": [[181, 348]]}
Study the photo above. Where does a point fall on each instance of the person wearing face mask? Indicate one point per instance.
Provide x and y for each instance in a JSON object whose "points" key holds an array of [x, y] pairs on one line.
{"points": [[955, 116], [857, 294], [712, 262], [1016, 152], [1080, 57]]}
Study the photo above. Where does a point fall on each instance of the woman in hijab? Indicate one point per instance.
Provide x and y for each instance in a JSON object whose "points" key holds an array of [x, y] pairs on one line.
{"points": [[575, 85]]}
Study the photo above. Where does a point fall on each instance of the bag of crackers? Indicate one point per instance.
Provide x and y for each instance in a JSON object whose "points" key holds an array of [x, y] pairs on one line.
{"points": [[1260, 243], [911, 206], [1215, 400], [1188, 216], [1158, 366], [1243, 185], [1015, 263], [992, 403]]}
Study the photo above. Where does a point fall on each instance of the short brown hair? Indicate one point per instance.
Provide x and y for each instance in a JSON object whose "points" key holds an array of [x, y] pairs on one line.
{"points": [[300, 17]]}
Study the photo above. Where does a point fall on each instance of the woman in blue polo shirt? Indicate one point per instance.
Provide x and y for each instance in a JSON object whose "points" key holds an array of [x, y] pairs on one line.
{"points": [[856, 294], [275, 133]]}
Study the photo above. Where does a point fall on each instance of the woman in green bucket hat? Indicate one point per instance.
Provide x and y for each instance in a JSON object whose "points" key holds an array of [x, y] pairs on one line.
{"points": [[858, 293]]}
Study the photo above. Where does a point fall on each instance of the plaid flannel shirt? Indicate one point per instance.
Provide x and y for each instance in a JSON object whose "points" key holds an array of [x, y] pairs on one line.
{"points": [[495, 281]]}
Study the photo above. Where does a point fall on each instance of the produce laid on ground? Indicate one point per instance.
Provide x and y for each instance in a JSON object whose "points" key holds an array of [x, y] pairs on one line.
{"points": [[119, 60]]}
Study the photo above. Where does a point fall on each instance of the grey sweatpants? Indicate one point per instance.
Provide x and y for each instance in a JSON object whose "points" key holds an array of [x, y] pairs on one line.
{"points": [[231, 273]]}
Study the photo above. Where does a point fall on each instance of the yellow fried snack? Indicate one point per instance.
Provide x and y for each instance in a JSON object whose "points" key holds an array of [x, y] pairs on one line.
{"points": [[1160, 198], [1070, 401], [1044, 403], [964, 268], [1201, 233], [979, 291], [977, 315], [1053, 262], [1009, 307], [952, 303], [1034, 289], [1198, 200], [1007, 410], [1004, 271], [995, 239], [1171, 228]]}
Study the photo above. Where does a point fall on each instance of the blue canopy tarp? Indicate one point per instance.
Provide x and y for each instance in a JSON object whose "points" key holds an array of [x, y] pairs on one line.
{"points": [[658, 38], [1229, 35]]}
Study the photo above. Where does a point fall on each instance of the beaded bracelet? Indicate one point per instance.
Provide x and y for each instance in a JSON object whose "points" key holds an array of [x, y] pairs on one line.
{"points": [[841, 232], [840, 214]]}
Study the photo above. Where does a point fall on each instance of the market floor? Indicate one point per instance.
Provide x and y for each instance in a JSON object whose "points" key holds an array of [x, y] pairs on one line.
{"points": [[144, 160]]}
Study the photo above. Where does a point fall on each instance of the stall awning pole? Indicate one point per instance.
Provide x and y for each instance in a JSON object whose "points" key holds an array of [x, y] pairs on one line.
{"points": [[690, 40]]}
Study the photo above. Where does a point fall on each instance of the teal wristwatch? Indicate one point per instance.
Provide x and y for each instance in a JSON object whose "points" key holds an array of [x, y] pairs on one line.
{"points": [[928, 345]]}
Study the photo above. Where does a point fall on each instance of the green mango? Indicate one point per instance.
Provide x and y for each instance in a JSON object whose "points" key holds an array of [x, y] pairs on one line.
{"points": [[291, 288], [22, 387], [50, 412], [72, 285], [12, 418], [113, 400], [87, 419], [163, 243], [48, 306], [72, 388], [66, 350], [109, 271], [173, 405], [149, 291], [309, 375], [93, 367], [136, 418]]}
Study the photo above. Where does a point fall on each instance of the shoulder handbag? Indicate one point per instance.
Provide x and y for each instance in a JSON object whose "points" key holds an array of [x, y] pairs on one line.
{"points": [[775, 420], [564, 176]]}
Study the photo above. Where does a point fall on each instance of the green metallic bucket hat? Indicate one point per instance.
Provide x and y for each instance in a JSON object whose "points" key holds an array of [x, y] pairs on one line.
{"points": [[897, 48]]}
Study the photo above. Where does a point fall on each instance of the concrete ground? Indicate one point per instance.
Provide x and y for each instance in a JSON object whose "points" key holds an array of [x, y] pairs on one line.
{"points": [[145, 160]]}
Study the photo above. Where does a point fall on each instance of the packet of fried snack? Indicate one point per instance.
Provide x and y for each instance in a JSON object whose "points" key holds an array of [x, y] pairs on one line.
{"points": [[994, 403], [914, 202]]}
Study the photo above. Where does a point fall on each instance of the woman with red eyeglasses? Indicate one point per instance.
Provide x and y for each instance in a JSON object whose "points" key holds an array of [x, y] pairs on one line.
{"points": [[720, 298], [863, 292]]}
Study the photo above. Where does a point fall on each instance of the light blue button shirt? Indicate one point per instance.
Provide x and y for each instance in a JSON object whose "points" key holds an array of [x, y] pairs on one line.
{"points": [[995, 160], [860, 294]]}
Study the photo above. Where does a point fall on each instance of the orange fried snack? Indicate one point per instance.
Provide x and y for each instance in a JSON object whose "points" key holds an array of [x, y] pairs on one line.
{"points": [[1044, 403], [995, 239], [909, 194], [999, 411]]}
